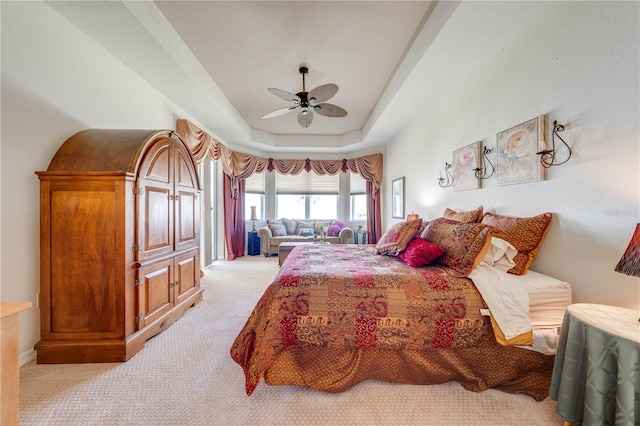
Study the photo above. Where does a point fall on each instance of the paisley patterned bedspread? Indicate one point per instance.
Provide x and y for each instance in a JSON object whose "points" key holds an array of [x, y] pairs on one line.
{"points": [[345, 296]]}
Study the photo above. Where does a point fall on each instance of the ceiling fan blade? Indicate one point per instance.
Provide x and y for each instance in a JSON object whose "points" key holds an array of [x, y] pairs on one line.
{"points": [[287, 96], [330, 110], [280, 111], [323, 93], [305, 117]]}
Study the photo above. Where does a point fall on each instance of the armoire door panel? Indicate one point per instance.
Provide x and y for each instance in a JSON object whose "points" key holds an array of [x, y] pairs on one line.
{"points": [[158, 235], [155, 290], [187, 274], [83, 225], [159, 163], [187, 217], [184, 172]]}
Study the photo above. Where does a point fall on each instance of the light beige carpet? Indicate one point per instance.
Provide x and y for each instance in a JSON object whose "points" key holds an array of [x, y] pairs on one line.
{"points": [[185, 376]]}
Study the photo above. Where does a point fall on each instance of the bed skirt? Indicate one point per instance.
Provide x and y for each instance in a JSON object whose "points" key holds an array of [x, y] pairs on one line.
{"points": [[509, 369]]}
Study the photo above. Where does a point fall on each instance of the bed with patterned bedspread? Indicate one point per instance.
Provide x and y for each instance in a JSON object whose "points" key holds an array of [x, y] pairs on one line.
{"points": [[336, 315]]}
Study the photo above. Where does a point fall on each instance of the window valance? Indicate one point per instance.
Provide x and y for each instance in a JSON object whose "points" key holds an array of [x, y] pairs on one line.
{"points": [[239, 166]]}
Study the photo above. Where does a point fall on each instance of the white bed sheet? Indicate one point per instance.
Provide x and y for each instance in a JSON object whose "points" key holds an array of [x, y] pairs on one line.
{"points": [[548, 299]]}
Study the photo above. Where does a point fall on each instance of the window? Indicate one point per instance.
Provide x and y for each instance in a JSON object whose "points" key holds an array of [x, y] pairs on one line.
{"points": [[254, 195], [358, 197], [307, 196]]}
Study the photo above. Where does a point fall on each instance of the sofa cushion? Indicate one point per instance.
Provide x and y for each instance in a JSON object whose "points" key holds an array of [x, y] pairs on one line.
{"points": [[305, 232], [290, 225], [277, 228], [319, 225], [304, 224]]}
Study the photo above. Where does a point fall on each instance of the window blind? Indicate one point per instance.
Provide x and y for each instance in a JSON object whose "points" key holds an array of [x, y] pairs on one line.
{"points": [[307, 183], [357, 184], [255, 183]]}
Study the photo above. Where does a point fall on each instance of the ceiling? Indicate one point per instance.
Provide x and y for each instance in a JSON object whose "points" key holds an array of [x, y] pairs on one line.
{"points": [[216, 59]]}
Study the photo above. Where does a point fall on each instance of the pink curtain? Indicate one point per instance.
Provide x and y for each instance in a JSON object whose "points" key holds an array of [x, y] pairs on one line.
{"points": [[374, 221], [238, 167], [234, 228]]}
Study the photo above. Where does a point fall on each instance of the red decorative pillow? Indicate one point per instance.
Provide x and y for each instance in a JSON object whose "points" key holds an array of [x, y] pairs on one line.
{"points": [[524, 233], [465, 244], [397, 237], [420, 252]]}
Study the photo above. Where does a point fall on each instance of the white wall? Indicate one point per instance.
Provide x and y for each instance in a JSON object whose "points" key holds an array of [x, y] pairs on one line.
{"points": [[576, 62], [55, 82]]}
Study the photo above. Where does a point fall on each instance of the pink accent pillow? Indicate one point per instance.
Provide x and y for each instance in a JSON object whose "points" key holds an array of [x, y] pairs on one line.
{"points": [[335, 228], [420, 252]]}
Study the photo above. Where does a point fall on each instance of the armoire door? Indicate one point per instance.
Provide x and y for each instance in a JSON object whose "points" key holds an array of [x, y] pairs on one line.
{"points": [[187, 202], [156, 200]]}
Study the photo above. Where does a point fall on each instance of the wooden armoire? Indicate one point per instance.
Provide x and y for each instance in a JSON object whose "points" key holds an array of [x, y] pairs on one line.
{"points": [[119, 243]]}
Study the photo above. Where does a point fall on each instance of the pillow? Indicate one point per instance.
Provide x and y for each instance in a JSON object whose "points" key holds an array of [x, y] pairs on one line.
{"points": [[304, 224], [472, 216], [290, 225], [335, 228], [420, 252], [305, 232], [500, 254], [277, 228], [319, 224], [524, 233], [397, 237], [465, 244]]}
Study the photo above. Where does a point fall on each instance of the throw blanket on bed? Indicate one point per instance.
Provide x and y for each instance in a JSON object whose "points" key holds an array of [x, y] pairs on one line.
{"points": [[345, 296]]}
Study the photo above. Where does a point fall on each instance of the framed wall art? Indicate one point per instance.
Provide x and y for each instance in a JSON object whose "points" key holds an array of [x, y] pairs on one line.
{"points": [[397, 198], [517, 161], [465, 161]]}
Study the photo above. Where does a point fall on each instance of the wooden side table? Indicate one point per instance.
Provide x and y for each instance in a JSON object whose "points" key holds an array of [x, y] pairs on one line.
{"points": [[10, 363], [596, 379]]}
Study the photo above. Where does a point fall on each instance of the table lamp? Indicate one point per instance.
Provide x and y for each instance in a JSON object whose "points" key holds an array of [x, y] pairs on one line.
{"points": [[630, 262], [412, 216], [253, 217]]}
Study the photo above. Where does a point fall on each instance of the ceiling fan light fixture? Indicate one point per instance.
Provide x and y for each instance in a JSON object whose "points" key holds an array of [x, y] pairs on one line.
{"points": [[305, 100]]}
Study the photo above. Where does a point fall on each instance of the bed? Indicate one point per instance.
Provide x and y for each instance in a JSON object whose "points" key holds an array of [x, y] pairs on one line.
{"points": [[336, 315]]}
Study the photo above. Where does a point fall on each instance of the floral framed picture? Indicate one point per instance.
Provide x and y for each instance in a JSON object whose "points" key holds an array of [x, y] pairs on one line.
{"points": [[465, 161], [397, 198], [517, 160]]}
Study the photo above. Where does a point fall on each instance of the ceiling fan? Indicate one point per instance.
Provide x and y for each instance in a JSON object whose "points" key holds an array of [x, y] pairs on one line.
{"points": [[308, 101]]}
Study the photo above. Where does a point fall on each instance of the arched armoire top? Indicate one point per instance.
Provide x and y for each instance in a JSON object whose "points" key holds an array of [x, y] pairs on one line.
{"points": [[110, 150]]}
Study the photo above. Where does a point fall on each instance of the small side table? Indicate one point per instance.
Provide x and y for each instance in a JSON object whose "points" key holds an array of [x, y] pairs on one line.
{"points": [[253, 243], [360, 237], [595, 375]]}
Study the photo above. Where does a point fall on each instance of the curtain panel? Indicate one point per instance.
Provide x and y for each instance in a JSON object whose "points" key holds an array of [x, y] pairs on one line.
{"points": [[238, 167]]}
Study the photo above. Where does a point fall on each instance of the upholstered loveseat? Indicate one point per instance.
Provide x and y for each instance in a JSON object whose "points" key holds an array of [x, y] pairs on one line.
{"points": [[292, 230]]}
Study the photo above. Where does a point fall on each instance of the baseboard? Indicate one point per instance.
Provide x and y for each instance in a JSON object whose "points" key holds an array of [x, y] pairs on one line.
{"points": [[27, 356]]}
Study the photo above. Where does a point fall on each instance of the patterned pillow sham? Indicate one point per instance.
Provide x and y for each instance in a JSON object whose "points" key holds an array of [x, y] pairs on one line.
{"points": [[420, 252], [524, 233], [305, 232], [472, 216], [465, 244], [397, 237], [277, 228]]}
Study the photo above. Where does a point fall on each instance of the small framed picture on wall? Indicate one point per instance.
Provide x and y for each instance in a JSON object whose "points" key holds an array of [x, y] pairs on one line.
{"points": [[465, 162], [397, 198], [517, 158]]}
